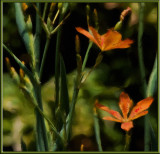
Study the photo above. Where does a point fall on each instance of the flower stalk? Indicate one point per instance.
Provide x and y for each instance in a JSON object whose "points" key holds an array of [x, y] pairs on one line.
{"points": [[127, 141]]}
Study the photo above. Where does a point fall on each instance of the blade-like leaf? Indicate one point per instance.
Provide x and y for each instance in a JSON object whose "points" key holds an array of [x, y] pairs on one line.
{"points": [[151, 89], [64, 98], [37, 39], [25, 69], [152, 84], [25, 30], [22, 25]]}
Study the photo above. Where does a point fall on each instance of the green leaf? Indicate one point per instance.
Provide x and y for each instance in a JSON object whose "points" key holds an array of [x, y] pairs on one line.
{"points": [[151, 89], [25, 32], [22, 25], [152, 84], [25, 69], [64, 97], [37, 39]]}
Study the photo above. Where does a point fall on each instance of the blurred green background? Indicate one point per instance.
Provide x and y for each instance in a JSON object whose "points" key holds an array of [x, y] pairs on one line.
{"points": [[119, 71]]}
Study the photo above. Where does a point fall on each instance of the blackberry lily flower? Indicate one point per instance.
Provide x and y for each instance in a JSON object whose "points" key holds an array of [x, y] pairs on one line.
{"points": [[125, 104], [110, 40]]}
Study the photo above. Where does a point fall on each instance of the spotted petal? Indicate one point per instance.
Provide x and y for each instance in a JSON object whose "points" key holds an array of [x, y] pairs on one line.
{"points": [[125, 103], [141, 106], [139, 115]]}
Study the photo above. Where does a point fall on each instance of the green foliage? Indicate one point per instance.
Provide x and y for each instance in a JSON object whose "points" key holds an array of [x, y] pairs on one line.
{"points": [[54, 112]]}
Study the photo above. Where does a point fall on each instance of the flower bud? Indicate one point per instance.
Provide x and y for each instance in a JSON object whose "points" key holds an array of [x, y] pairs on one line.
{"points": [[14, 75], [124, 13], [82, 147], [77, 44], [24, 7], [87, 12], [8, 64], [96, 19]]}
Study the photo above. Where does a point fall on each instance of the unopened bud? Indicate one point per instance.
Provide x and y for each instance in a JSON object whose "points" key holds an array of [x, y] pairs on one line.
{"points": [[52, 7], [77, 44], [29, 23], [28, 83], [82, 147], [87, 12], [118, 25], [14, 75], [124, 13], [8, 64], [21, 73], [24, 7], [96, 19], [60, 6]]}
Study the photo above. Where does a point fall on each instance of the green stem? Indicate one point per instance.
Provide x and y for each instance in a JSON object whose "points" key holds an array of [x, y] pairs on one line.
{"points": [[49, 122], [44, 11], [86, 56], [44, 57], [97, 131], [127, 141], [74, 99], [40, 127]]}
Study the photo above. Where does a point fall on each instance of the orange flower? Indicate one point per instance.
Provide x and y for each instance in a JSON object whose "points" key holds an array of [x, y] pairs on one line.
{"points": [[125, 105], [110, 40]]}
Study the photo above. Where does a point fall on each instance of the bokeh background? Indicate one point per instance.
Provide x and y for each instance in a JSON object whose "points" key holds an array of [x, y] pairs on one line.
{"points": [[119, 71]]}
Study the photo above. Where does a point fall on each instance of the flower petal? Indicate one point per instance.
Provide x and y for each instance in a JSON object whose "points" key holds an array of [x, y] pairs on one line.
{"points": [[139, 115], [123, 44], [111, 38], [125, 103], [127, 125], [111, 119], [141, 106], [96, 36], [87, 34], [107, 109]]}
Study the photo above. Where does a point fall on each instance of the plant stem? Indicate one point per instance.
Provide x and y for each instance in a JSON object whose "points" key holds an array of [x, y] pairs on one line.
{"points": [[127, 141], [97, 130], [44, 57], [40, 127], [44, 11], [74, 99], [86, 56]]}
